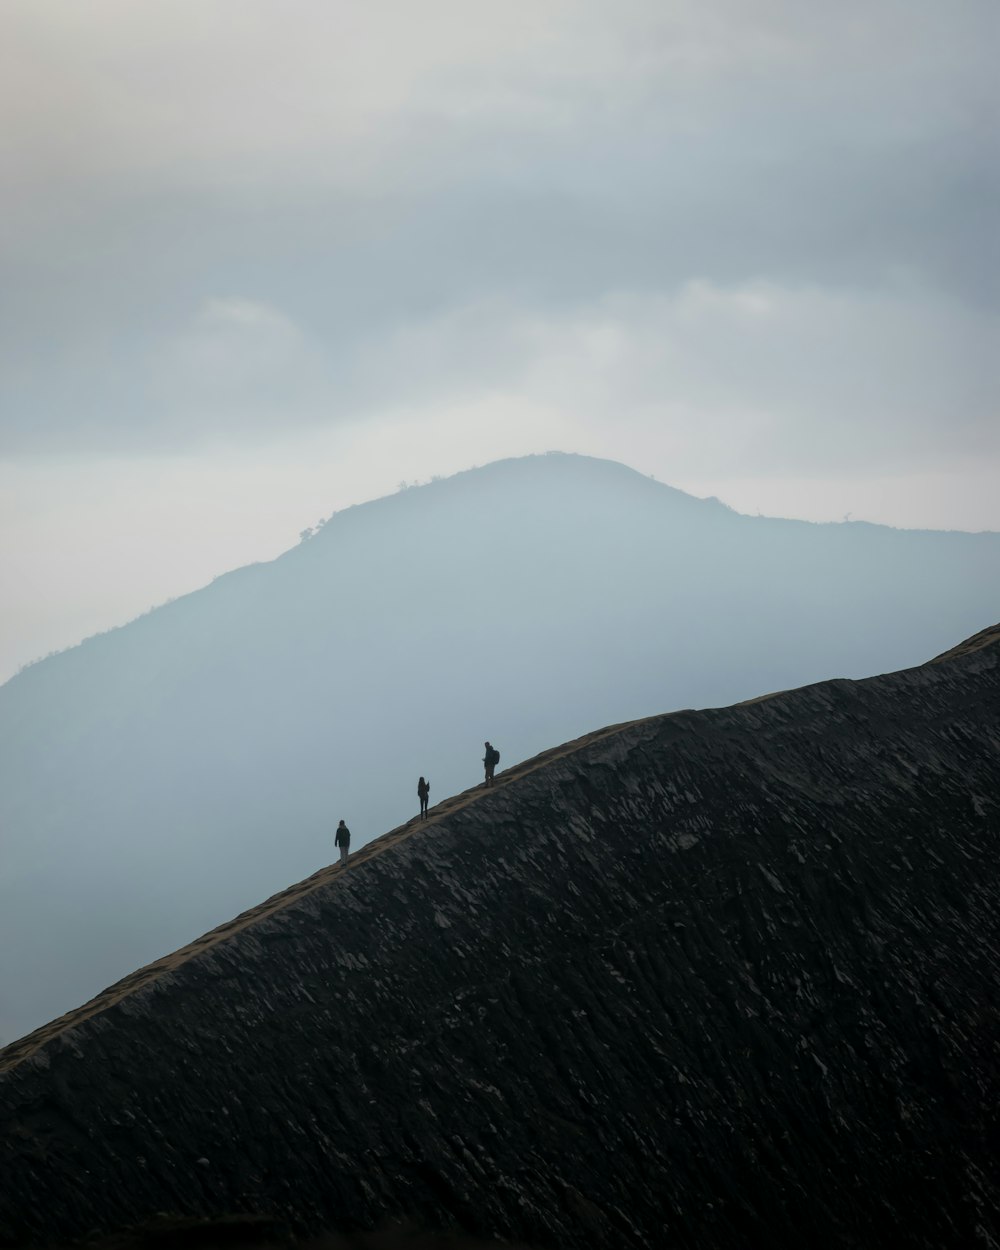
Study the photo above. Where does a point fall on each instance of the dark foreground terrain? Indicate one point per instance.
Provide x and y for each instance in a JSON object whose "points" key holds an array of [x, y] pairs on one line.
{"points": [[726, 978], [248, 1232]]}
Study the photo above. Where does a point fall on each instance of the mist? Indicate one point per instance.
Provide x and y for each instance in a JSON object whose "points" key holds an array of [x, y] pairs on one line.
{"points": [[165, 775]]}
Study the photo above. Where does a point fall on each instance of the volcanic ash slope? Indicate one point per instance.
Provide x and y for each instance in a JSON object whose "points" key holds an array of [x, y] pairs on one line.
{"points": [[714, 979]]}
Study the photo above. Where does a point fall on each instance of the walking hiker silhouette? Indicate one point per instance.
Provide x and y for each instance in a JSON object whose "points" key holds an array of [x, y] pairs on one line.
{"points": [[490, 760], [423, 790]]}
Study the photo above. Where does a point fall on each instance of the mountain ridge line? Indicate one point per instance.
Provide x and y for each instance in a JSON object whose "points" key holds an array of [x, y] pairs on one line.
{"points": [[22, 1049], [25, 1048]]}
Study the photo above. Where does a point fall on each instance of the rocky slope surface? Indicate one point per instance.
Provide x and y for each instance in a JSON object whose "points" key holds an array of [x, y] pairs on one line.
{"points": [[727, 978]]}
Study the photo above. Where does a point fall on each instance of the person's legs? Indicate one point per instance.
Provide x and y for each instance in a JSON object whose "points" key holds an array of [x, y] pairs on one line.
{"points": [[343, 854]]}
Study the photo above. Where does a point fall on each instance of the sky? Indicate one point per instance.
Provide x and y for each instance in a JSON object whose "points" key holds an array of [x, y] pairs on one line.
{"points": [[260, 261]]}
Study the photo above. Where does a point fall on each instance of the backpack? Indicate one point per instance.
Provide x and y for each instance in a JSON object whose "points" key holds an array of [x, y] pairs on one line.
{"points": [[495, 757]]}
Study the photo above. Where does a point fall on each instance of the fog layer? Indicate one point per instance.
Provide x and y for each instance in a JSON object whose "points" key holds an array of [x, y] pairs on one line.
{"points": [[163, 776]]}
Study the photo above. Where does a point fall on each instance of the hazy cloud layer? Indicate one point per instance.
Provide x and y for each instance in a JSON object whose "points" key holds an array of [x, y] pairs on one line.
{"points": [[224, 218]]}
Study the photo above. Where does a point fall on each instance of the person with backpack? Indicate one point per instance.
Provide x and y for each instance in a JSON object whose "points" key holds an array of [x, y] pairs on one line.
{"points": [[490, 760], [423, 790], [343, 840]]}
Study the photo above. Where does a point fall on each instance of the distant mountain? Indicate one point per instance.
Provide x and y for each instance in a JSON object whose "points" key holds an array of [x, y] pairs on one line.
{"points": [[164, 775], [713, 980]]}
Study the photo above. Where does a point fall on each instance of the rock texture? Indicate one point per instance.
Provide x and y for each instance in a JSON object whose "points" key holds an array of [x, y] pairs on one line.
{"points": [[727, 978]]}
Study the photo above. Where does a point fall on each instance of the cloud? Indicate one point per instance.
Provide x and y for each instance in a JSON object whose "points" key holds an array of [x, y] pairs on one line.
{"points": [[238, 363], [773, 378], [757, 376], [407, 195], [748, 378]]}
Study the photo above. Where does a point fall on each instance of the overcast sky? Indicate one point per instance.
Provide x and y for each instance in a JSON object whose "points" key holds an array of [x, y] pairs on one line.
{"points": [[261, 260]]}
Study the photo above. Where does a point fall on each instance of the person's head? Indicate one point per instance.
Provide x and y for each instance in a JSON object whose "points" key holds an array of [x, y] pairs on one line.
{"points": [[421, 781], [341, 822]]}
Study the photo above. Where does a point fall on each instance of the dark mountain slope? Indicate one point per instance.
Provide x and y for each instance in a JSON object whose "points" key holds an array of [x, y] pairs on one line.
{"points": [[714, 979], [163, 776]]}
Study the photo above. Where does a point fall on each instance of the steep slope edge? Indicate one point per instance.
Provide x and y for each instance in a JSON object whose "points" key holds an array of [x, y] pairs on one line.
{"points": [[719, 978], [27, 1045]]}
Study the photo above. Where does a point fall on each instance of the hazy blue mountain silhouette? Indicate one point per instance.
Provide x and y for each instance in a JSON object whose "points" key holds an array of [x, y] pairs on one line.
{"points": [[160, 777]]}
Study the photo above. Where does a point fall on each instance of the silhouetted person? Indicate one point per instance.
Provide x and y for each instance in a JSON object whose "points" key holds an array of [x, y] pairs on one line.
{"points": [[343, 840], [423, 790], [490, 760]]}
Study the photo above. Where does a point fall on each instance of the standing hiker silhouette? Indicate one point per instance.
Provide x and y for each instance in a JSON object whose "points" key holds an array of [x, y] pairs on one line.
{"points": [[343, 840], [423, 790]]}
